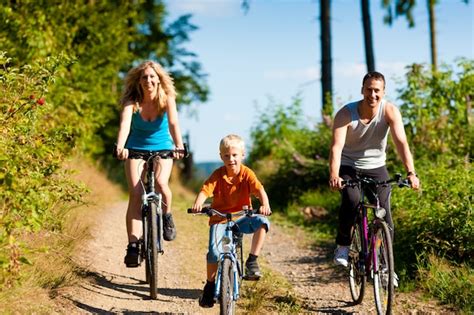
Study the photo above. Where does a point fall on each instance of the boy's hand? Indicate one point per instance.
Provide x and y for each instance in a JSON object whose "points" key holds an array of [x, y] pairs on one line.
{"points": [[265, 210], [196, 208]]}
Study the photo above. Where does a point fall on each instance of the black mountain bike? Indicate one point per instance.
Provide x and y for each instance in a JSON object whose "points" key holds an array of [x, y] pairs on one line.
{"points": [[151, 243], [371, 253]]}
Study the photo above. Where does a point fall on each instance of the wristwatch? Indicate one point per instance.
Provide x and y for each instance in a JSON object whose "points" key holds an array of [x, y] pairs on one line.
{"points": [[411, 173]]}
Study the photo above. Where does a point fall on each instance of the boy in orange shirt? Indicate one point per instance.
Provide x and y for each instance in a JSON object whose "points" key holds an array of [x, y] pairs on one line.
{"points": [[231, 187]]}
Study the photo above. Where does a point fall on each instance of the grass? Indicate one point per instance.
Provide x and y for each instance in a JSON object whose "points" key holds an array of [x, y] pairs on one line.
{"points": [[449, 283], [271, 294]]}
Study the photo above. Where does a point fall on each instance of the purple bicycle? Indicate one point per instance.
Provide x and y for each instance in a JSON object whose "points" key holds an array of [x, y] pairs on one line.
{"points": [[371, 253]]}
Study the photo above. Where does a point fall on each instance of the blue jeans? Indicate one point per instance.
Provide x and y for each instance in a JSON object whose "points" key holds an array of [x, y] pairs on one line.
{"points": [[247, 225]]}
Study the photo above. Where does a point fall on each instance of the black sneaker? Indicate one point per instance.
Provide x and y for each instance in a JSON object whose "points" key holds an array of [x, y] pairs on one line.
{"points": [[132, 259], [207, 298], [169, 230], [252, 271]]}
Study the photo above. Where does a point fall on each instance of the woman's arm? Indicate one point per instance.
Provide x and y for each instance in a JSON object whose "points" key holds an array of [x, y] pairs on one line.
{"points": [[173, 122], [124, 131]]}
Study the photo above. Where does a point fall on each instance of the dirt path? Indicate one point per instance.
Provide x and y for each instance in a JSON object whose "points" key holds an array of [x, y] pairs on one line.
{"points": [[112, 288]]}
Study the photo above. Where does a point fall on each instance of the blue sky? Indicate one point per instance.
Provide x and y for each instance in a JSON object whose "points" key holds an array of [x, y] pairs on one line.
{"points": [[273, 52]]}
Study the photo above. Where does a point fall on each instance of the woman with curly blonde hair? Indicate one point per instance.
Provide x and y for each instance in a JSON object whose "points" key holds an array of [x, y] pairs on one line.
{"points": [[148, 122]]}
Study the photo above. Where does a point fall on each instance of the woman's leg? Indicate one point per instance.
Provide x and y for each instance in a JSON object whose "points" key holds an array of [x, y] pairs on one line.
{"points": [[133, 171], [163, 169], [163, 173]]}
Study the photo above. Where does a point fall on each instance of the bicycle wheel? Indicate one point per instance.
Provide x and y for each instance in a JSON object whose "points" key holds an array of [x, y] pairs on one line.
{"points": [[144, 243], [383, 268], [152, 250], [227, 303], [357, 279]]}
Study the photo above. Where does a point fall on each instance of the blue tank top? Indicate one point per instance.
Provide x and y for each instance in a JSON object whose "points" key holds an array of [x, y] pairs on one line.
{"points": [[149, 135]]}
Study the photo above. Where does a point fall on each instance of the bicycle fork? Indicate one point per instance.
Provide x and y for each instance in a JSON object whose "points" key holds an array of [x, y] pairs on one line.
{"points": [[235, 275]]}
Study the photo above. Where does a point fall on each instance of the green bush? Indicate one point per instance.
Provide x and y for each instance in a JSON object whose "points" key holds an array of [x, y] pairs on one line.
{"points": [[34, 187], [289, 154], [438, 220]]}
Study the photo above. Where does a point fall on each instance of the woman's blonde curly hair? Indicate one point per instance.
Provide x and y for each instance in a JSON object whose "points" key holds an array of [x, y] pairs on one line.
{"points": [[133, 93]]}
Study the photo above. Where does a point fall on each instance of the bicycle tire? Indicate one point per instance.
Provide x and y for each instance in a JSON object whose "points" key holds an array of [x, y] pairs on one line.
{"points": [[240, 261], [383, 264], [226, 298], [153, 250], [144, 244], [357, 278]]}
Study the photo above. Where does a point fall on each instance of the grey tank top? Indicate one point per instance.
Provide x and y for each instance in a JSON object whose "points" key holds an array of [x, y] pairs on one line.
{"points": [[365, 143]]}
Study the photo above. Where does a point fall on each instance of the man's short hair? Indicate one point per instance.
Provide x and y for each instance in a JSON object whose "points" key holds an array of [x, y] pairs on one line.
{"points": [[374, 75], [232, 141]]}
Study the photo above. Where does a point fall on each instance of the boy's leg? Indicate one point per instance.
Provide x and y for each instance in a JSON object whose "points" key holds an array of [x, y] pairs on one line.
{"points": [[259, 226], [258, 239], [207, 298], [211, 271]]}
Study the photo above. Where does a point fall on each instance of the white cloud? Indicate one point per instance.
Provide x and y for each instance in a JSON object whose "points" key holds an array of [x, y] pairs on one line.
{"points": [[349, 70], [306, 74]]}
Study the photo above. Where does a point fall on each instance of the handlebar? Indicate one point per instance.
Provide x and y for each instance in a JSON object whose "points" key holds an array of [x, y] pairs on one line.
{"points": [[209, 211], [365, 181], [147, 155]]}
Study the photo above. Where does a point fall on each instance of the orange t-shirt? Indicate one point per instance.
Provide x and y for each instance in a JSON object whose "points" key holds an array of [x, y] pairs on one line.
{"points": [[230, 196]]}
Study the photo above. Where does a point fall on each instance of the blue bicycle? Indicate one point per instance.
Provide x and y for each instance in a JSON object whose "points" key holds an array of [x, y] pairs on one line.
{"points": [[229, 271]]}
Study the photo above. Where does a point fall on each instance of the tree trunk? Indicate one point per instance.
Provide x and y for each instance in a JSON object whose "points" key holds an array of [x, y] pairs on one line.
{"points": [[432, 22], [368, 41], [326, 62]]}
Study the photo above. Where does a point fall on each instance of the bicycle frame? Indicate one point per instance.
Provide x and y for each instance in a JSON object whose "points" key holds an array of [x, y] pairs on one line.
{"points": [[230, 247], [149, 195], [368, 246]]}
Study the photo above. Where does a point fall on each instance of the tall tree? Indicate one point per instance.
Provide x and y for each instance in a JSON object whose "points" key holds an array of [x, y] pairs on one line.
{"points": [[432, 26], [368, 41], [326, 60]]}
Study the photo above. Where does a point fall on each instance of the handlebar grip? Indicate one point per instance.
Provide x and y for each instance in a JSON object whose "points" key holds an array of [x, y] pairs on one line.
{"points": [[114, 152]]}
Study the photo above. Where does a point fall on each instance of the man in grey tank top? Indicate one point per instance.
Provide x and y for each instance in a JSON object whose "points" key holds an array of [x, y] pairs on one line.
{"points": [[358, 146]]}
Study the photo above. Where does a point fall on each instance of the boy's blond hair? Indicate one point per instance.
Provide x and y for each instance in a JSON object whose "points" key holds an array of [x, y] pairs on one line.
{"points": [[232, 141]]}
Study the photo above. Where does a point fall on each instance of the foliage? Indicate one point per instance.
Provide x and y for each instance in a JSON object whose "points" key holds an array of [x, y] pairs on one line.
{"points": [[34, 188], [449, 282], [439, 220], [285, 150], [437, 109]]}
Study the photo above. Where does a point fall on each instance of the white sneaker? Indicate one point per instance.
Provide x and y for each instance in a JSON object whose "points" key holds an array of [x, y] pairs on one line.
{"points": [[341, 255], [395, 280]]}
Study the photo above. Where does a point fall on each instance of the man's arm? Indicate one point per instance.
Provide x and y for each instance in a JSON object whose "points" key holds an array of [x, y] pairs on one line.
{"points": [[339, 132], [397, 130]]}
